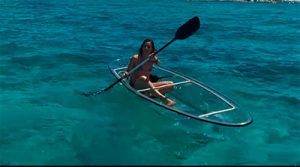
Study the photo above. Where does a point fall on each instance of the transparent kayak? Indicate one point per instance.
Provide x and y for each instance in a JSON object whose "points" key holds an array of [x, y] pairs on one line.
{"points": [[193, 98]]}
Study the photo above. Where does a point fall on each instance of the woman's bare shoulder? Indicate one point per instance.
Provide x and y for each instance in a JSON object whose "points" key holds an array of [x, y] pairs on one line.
{"points": [[134, 57]]}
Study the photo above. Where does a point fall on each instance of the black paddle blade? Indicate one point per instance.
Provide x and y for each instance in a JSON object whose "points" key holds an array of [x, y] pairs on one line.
{"points": [[188, 28]]}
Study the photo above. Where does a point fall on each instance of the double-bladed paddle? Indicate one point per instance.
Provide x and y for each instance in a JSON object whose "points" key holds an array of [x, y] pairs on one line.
{"points": [[183, 32]]}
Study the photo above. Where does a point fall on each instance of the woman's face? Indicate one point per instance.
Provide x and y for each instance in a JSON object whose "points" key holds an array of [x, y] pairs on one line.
{"points": [[147, 48]]}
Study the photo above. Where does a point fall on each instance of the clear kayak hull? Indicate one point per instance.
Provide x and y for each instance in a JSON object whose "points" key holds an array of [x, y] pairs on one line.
{"points": [[193, 98]]}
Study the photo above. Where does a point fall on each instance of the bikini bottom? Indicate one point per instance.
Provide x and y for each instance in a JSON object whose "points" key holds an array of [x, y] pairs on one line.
{"points": [[153, 78], [144, 93]]}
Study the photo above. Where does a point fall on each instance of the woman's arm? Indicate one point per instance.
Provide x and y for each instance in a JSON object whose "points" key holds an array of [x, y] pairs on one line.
{"points": [[131, 64], [155, 59]]}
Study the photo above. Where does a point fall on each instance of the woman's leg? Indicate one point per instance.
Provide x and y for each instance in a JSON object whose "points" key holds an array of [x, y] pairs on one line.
{"points": [[167, 86], [143, 82]]}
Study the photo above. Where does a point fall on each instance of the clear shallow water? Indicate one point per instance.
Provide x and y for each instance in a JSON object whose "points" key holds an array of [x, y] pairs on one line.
{"points": [[248, 51]]}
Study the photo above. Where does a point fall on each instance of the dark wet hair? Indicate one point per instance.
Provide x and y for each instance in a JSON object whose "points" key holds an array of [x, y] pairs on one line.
{"points": [[146, 40]]}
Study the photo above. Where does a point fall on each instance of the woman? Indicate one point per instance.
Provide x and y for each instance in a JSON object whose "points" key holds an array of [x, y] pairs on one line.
{"points": [[140, 78]]}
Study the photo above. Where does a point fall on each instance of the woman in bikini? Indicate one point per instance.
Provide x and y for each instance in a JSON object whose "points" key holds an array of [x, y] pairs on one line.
{"points": [[140, 79]]}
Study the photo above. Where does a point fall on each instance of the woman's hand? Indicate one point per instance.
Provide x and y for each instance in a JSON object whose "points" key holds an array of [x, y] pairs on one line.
{"points": [[154, 59], [125, 74]]}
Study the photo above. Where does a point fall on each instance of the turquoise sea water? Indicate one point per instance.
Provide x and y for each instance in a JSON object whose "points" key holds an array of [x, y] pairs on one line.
{"points": [[49, 49]]}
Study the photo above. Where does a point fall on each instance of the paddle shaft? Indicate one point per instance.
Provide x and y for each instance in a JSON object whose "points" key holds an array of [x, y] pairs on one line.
{"points": [[184, 31]]}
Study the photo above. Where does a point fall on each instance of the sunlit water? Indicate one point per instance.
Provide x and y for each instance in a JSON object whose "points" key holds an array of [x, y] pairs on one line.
{"points": [[49, 50]]}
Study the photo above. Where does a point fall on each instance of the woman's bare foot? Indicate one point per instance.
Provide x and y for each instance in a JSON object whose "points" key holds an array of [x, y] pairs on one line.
{"points": [[169, 102]]}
